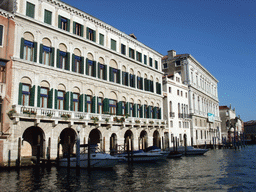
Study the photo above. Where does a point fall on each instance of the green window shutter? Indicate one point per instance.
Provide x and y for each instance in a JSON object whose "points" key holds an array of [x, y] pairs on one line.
{"points": [[94, 69], [73, 62], [68, 24], [160, 89], [22, 48], [118, 76], [52, 56], [145, 84], [81, 102], [152, 86], [71, 102], [35, 51], [20, 94], [119, 108], [94, 36], [145, 59], [110, 74], [66, 101], [38, 96], [56, 99], [134, 80], [58, 58], [127, 78], [106, 105], [154, 113], [113, 44], [41, 54], [135, 110], [48, 17], [131, 80], [160, 114], [141, 82], [123, 77], [105, 72], [141, 111], [82, 65], [137, 82], [74, 27], [82, 30], [30, 11], [127, 108], [87, 67], [87, 32], [148, 112], [50, 99], [59, 21], [101, 39], [32, 96], [67, 63], [93, 104], [98, 70], [145, 112], [149, 85], [97, 99], [156, 64], [85, 103]]}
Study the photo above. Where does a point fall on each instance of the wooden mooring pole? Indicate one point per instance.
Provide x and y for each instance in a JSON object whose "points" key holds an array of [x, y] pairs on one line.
{"points": [[38, 151], [89, 155], [58, 152], [19, 153], [68, 152]]}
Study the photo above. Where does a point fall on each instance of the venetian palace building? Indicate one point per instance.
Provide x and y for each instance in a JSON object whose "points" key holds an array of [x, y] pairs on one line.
{"points": [[176, 109], [202, 96], [72, 70]]}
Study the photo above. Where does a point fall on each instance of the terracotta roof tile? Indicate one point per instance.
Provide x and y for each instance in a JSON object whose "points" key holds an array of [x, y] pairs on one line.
{"points": [[223, 107]]}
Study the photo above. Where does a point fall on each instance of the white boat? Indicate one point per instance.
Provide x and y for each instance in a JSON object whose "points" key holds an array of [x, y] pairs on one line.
{"points": [[97, 160], [141, 156], [191, 150], [154, 149]]}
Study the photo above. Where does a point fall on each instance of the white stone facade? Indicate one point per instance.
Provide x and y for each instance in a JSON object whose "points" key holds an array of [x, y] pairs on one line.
{"points": [[176, 109], [116, 53], [203, 96]]}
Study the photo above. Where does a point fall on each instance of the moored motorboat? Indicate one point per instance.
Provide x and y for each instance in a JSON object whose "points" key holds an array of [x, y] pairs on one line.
{"points": [[174, 155], [154, 149], [191, 150], [140, 156], [97, 160]]}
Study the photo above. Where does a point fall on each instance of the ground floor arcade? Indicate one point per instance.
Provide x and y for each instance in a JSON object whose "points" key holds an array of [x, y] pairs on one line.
{"points": [[27, 138]]}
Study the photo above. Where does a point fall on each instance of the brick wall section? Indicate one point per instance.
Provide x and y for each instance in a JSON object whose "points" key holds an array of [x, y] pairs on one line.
{"points": [[6, 52], [1, 152]]}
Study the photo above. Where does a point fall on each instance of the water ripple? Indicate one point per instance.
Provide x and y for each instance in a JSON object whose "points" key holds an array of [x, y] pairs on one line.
{"points": [[218, 170]]}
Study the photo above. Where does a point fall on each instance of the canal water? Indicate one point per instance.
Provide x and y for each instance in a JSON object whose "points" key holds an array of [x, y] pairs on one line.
{"points": [[217, 170]]}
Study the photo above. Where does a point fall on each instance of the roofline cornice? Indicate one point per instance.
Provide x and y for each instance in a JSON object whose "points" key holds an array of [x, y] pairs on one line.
{"points": [[80, 13], [6, 14], [203, 68]]}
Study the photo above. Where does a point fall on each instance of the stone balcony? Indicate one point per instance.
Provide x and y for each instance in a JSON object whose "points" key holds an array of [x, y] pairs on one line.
{"points": [[73, 117]]}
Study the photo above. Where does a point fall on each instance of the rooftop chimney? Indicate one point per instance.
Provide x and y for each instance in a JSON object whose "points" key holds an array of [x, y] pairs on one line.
{"points": [[171, 54]]}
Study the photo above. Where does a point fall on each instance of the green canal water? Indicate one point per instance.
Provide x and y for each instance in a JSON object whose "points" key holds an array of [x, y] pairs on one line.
{"points": [[217, 170]]}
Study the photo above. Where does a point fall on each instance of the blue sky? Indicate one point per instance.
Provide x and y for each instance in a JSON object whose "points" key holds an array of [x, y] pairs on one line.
{"points": [[220, 34]]}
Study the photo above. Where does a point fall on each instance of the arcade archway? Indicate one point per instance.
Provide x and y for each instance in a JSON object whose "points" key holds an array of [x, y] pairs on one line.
{"points": [[156, 139], [31, 138], [95, 138], [113, 144], [67, 141], [143, 140], [128, 140]]}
